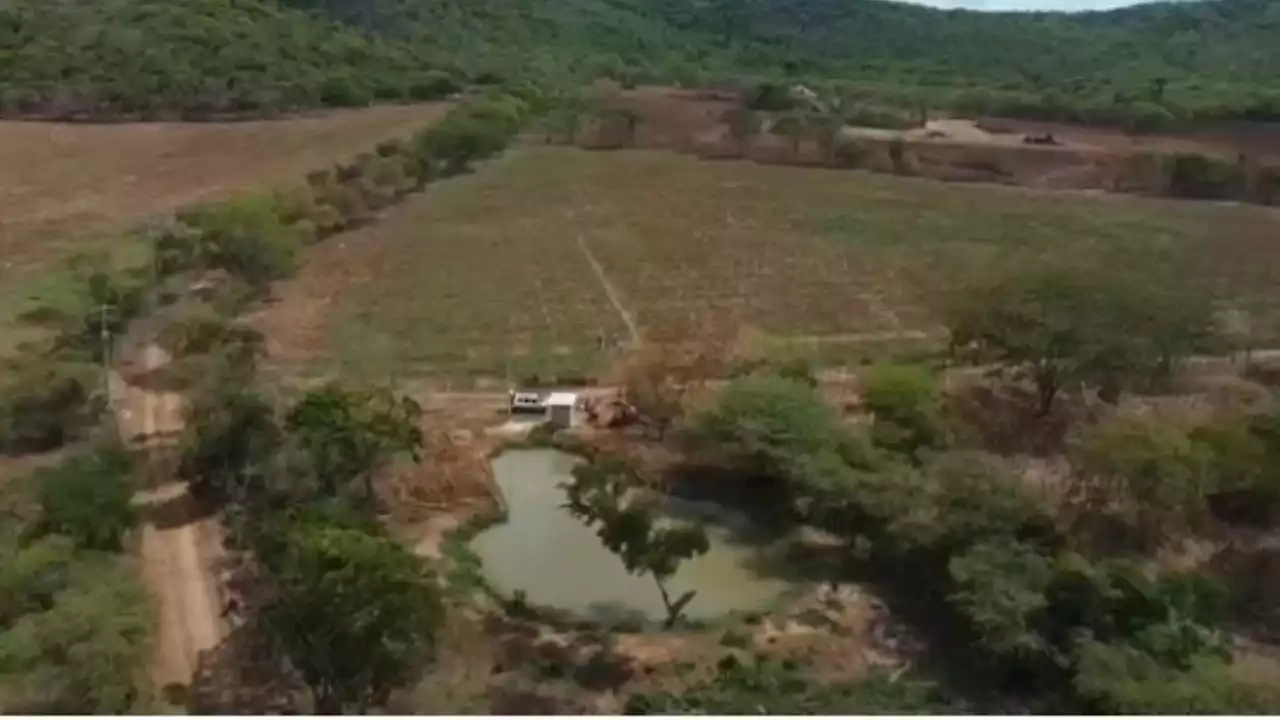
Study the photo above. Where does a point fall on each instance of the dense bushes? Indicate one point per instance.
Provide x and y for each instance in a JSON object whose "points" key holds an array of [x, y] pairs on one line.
{"points": [[88, 499], [986, 557], [195, 60], [45, 402], [74, 617], [907, 407]]}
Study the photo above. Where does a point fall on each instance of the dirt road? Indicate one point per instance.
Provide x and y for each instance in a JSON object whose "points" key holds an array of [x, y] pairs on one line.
{"points": [[179, 549]]}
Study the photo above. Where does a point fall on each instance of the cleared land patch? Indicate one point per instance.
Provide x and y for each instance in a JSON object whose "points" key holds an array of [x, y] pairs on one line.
{"points": [[484, 275], [72, 187]]}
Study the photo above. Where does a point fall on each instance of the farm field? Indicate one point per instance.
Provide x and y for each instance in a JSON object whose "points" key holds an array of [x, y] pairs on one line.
{"points": [[67, 188], [520, 267]]}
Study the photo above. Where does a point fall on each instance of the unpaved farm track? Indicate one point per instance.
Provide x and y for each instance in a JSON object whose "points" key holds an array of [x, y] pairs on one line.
{"points": [[180, 547]]}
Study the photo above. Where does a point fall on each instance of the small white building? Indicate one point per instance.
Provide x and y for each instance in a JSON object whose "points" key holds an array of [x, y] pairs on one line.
{"points": [[562, 409]]}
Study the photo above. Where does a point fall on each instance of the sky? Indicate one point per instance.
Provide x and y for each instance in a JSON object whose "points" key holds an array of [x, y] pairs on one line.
{"points": [[1027, 4]]}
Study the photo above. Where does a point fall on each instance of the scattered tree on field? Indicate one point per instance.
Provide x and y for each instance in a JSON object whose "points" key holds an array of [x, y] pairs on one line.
{"points": [[1061, 325], [603, 494]]}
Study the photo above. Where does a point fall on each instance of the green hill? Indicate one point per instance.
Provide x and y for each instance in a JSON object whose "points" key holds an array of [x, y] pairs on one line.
{"points": [[193, 58], [1146, 65]]}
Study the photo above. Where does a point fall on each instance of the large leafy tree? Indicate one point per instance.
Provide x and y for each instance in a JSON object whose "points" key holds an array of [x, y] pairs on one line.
{"points": [[348, 435], [908, 408], [1061, 325], [606, 495], [354, 612], [771, 427], [88, 498]]}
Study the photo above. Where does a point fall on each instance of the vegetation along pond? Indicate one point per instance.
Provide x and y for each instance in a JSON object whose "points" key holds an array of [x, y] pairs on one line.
{"points": [[558, 562]]}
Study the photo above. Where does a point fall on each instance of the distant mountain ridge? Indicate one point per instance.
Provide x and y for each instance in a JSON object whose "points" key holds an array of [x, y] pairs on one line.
{"points": [[1210, 58]]}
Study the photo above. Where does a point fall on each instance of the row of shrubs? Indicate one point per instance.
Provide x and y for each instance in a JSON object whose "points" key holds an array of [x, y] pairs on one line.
{"points": [[1030, 609], [53, 391]]}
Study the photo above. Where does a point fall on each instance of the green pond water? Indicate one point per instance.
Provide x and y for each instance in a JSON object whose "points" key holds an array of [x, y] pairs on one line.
{"points": [[559, 562]]}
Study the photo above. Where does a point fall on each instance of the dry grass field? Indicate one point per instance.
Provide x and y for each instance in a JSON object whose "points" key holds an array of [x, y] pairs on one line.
{"points": [[66, 188], [518, 268]]}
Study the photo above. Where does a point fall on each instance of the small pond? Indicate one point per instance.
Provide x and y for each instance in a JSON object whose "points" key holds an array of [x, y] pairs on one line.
{"points": [[559, 562]]}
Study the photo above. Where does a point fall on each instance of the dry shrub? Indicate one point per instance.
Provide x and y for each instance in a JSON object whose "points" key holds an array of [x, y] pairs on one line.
{"points": [[657, 380], [454, 471]]}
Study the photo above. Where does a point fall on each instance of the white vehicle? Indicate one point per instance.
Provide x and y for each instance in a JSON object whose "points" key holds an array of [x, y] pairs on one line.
{"points": [[527, 402]]}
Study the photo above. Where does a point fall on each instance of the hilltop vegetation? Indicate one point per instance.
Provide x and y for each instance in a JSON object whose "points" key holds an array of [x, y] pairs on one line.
{"points": [[1143, 66], [196, 58]]}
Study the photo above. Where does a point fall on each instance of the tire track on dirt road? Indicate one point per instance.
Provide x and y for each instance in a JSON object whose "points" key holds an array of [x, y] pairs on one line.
{"points": [[179, 549]]}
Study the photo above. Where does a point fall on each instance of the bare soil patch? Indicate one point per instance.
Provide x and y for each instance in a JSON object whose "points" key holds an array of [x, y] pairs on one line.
{"points": [[67, 188]]}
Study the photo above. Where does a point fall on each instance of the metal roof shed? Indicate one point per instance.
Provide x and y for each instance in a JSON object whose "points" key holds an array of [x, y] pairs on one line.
{"points": [[562, 409]]}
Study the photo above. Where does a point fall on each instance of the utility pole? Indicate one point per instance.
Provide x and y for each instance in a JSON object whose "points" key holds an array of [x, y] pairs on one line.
{"points": [[104, 338]]}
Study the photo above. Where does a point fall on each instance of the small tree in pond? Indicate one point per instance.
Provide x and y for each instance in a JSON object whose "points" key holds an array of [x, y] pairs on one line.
{"points": [[603, 495]]}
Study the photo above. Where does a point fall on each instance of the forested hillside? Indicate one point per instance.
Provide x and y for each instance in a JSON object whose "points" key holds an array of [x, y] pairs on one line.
{"points": [[193, 58], [1147, 65]]}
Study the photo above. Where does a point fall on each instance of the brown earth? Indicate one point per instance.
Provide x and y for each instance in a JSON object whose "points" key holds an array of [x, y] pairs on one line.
{"points": [[181, 545], [63, 185], [987, 150]]}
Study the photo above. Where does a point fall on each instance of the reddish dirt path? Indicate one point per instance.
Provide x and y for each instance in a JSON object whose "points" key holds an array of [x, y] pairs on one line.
{"points": [[180, 547]]}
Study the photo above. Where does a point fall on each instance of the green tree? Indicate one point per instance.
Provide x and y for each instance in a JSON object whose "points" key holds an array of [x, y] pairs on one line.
{"points": [[1063, 324], [469, 134], [1120, 679], [82, 652], [605, 495], [88, 498], [999, 587], [765, 687], [349, 435], [246, 237], [355, 613], [770, 427], [908, 409], [45, 402], [230, 438], [965, 497], [1141, 473]]}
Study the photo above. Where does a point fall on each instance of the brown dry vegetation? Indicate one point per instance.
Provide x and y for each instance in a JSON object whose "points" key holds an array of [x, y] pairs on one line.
{"points": [[496, 273]]}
